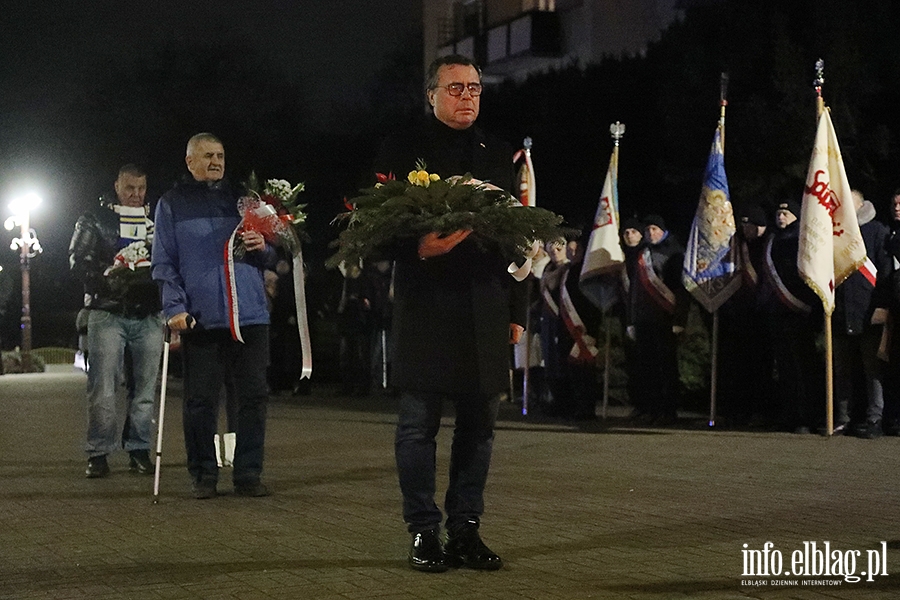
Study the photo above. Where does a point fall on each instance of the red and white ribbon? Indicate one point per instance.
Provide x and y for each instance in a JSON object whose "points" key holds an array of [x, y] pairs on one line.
{"points": [[234, 323]]}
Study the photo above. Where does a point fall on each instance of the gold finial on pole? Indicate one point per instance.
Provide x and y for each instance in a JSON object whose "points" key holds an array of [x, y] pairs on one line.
{"points": [[617, 131], [817, 83]]}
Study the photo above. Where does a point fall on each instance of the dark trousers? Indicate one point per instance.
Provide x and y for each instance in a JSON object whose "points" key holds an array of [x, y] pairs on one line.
{"points": [[208, 356], [856, 360], [746, 369], [801, 374], [656, 347], [470, 457]]}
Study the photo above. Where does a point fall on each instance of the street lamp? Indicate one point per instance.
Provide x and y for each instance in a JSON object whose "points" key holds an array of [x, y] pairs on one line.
{"points": [[28, 246]]}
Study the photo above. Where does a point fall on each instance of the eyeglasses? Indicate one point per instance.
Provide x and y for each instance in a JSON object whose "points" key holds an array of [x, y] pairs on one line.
{"points": [[457, 89]]}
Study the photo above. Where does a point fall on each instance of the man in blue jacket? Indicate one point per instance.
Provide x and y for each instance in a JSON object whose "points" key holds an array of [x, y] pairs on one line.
{"points": [[194, 222]]}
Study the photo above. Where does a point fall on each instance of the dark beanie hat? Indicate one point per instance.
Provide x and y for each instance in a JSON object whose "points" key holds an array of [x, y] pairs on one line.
{"points": [[631, 223], [752, 213], [655, 220], [792, 206]]}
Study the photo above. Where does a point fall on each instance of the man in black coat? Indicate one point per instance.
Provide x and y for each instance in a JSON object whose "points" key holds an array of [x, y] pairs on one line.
{"points": [[456, 310], [658, 306], [792, 313], [860, 311]]}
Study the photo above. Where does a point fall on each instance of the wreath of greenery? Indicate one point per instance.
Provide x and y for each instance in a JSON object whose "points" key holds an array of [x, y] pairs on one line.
{"points": [[394, 210]]}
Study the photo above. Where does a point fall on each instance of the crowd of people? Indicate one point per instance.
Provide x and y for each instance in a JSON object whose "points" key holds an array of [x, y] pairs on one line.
{"points": [[771, 363], [436, 321]]}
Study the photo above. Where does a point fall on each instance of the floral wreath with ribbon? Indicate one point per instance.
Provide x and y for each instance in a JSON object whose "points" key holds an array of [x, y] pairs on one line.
{"points": [[273, 211]]}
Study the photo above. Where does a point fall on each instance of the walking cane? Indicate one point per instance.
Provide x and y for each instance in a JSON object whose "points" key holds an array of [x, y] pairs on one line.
{"points": [[162, 406], [162, 413]]}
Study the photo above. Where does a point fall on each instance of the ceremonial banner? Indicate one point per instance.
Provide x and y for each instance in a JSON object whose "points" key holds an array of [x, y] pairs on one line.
{"points": [[527, 188], [603, 258], [710, 258], [831, 245]]}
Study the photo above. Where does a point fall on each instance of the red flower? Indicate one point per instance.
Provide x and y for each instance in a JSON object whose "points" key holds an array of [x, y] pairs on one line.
{"points": [[347, 204], [382, 178]]}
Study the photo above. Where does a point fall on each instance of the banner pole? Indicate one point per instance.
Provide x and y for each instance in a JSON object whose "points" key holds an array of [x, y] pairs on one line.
{"points": [[532, 198], [829, 348], [616, 131], [714, 369], [526, 374], [606, 362], [714, 354]]}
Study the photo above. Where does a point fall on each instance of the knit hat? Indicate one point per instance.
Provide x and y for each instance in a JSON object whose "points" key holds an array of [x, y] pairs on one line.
{"points": [[792, 206], [655, 220], [631, 223], [753, 214]]}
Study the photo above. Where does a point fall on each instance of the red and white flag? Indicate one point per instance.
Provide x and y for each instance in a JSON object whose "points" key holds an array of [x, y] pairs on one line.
{"points": [[831, 245], [527, 187], [604, 256]]}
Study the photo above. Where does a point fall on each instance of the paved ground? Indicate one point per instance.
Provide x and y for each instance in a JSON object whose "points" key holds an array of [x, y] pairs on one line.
{"points": [[590, 512]]}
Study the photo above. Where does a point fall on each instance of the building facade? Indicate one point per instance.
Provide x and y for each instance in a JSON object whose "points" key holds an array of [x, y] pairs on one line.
{"points": [[513, 38]]}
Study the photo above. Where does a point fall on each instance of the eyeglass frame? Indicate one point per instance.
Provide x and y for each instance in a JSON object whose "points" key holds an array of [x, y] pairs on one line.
{"points": [[465, 86]]}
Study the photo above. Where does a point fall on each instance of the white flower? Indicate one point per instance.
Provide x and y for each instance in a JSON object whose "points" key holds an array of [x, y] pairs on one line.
{"points": [[134, 252], [279, 188]]}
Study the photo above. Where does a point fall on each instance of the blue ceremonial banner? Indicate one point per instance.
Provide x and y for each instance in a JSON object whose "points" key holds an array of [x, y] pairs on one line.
{"points": [[710, 272]]}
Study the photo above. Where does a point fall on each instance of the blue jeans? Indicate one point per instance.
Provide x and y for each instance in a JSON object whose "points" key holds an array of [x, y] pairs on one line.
{"points": [[470, 457], [107, 337], [208, 355]]}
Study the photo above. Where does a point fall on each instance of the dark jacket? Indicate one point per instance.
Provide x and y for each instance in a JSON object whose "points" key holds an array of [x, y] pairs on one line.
{"points": [[92, 251], [556, 339], [785, 245], [744, 303], [855, 298], [667, 258], [891, 298], [452, 312]]}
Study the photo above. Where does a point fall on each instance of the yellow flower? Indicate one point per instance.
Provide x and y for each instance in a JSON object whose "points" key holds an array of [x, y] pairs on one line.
{"points": [[422, 179], [434, 177], [412, 177]]}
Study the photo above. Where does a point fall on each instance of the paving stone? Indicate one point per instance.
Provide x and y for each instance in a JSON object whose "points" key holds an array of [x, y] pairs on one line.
{"points": [[597, 510]]}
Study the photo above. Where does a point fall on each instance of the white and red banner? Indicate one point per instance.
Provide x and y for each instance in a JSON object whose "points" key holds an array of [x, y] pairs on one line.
{"points": [[527, 187], [831, 245], [603, 256]]}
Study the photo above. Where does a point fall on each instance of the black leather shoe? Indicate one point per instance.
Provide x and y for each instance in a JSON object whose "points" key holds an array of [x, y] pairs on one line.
{"points": [[465, 549], [251, 490], [204, 490], [97, 467], [140, 462], [426, 552]]}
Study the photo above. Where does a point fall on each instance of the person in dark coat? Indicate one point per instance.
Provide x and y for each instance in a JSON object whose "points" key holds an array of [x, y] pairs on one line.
{"points": [[568, 323], [858, 324], [631, 234], [891, 415], [355, 328], [659, 307], [793, 313], [124, 326], [745, 355], [456, 309], [377, 290]]}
